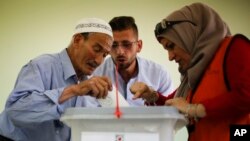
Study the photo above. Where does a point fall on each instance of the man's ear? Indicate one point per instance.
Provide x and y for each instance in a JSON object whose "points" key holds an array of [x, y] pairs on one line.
{"points": [[139, 46], [77, 38]]}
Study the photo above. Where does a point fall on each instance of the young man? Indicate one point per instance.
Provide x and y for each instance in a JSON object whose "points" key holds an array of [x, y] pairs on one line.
{"points": [[131, 68], [49, 84]]}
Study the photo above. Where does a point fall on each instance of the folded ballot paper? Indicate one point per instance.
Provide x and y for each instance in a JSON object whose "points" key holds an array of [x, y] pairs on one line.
{"points": [[110, 100]]}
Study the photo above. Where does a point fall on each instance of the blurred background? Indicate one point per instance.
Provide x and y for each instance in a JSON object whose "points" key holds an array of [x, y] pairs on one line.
{"points": [[29, 28]]}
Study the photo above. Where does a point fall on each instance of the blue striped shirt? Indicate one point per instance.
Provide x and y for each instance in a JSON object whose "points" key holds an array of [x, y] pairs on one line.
{"points": [[32, 110]]}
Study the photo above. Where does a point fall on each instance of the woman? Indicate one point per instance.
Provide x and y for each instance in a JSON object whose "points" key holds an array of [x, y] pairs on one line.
{"points": [[215, 83]]}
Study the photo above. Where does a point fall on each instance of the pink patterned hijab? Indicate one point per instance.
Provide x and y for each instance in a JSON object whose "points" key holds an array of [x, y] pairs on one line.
{"points": [[200, 40]]}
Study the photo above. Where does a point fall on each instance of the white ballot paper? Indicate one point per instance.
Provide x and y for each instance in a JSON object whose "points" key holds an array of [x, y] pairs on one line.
{"points": [[110, 100]]}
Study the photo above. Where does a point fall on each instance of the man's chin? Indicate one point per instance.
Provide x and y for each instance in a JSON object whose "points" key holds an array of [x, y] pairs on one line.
{"points": [[122, 66], [89, 71]]}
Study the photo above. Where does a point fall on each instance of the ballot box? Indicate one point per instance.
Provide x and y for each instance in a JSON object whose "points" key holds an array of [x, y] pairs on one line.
{"points": [[156, 123]]}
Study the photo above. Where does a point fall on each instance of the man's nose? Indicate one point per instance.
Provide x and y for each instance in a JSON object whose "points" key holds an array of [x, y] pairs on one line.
{"points": [[120, 50], [99, 59]]}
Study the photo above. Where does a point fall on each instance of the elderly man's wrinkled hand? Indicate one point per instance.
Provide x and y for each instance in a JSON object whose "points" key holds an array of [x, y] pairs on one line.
{"points": [[97, 86]]}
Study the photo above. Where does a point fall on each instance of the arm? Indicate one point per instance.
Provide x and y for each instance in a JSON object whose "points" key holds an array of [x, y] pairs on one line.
{"points": [[41, 95], [162, 99], [32, 101], [151, 97], [237, 100], [233, 103]]}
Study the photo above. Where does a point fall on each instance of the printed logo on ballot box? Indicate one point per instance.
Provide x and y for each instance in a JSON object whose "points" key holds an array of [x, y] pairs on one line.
{"points": [[119, 137]]}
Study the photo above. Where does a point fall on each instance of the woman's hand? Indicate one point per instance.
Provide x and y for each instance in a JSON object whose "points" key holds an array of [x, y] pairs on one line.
{"points": [[180, 103], [141, 90], [190, 110]]}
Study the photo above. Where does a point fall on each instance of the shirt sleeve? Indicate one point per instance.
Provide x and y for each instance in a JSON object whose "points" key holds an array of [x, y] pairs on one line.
{"points": [[31, 102], [236, 101], [162, 99]]}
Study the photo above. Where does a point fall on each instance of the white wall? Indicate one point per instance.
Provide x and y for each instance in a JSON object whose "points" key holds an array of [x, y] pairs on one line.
{"points": [[29, 28]]}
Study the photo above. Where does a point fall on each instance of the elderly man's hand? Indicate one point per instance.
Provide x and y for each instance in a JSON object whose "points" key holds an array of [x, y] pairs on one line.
{"points": [[96, 86]]}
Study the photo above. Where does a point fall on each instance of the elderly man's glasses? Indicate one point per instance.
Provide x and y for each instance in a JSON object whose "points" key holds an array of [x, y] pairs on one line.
{"points": [[164, 25], [124, 44]]}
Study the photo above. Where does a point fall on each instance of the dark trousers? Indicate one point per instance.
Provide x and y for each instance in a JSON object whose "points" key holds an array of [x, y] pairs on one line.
{"points": [[2, 138]]}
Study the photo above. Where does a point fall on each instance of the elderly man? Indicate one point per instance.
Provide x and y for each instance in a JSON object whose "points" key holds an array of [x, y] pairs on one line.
{"points": [[49, 84]]}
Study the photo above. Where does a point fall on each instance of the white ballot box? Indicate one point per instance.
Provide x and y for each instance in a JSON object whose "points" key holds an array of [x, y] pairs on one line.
{"points": [[156, 123]]}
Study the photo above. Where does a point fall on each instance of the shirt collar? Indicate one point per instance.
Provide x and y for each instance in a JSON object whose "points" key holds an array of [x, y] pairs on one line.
{"points": [[67, 66]]}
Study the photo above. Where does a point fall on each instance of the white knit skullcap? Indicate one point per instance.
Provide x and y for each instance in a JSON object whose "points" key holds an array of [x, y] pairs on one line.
{"points": [[93, 25]]}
